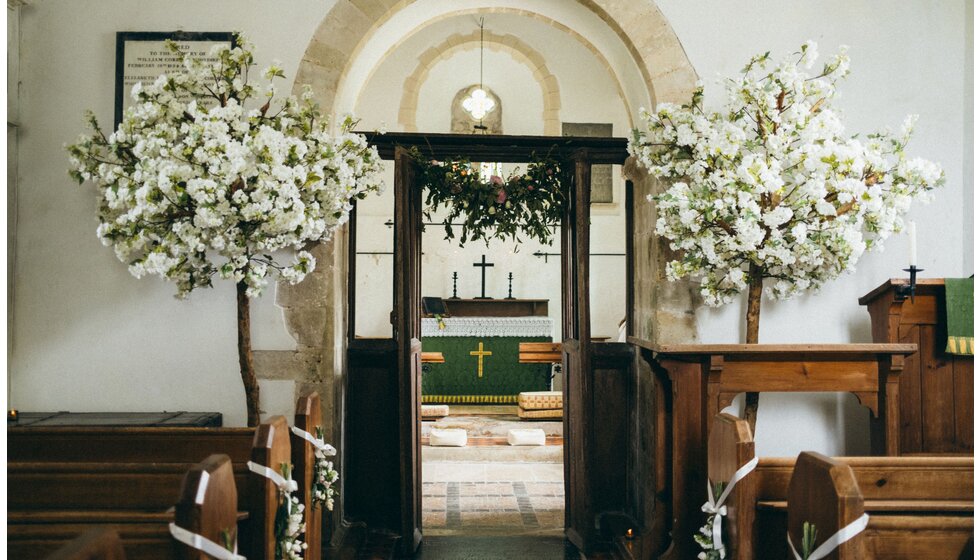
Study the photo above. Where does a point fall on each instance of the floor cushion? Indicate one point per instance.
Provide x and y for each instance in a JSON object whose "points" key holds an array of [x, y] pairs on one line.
{"points": [[435, 410], [447, 438], [529, 436], [539, 400], [537, 414]]}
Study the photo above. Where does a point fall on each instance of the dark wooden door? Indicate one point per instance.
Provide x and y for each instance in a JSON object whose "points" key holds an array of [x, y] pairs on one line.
{"points": [[580, 514], [407, 330]]}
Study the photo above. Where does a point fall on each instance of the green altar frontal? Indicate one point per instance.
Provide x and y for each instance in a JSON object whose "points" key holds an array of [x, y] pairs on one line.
{"points": [[481, 356]]}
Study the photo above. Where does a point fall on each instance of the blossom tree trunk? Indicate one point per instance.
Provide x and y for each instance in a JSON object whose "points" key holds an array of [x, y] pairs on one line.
{"points": [[752, 336], [245, 356]]}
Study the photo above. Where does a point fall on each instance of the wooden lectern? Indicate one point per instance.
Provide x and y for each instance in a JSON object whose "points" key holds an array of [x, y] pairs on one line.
{"points": [[936, 388]]}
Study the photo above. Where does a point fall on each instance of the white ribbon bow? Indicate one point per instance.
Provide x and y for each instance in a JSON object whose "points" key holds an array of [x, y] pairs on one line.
{"points": [[203, 544], [840, 537], [283, 484], [717, 507], [286, 486], [327, 449]]}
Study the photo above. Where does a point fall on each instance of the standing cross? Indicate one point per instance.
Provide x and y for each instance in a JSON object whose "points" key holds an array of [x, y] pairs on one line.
{"points": [[483, 264], [480, 354]]}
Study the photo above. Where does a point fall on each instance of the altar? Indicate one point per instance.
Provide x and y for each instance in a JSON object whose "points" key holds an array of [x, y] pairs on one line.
{"points": [[481, 359]]}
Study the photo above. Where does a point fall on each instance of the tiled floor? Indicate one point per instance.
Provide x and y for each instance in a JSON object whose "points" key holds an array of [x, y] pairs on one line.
{"points": [[492, 498]]}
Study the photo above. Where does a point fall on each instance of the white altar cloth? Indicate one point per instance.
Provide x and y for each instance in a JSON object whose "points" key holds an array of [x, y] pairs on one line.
{"points": [[523, 327]]}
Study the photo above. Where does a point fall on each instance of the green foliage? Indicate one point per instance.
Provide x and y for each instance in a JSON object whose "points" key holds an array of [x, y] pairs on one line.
{"points": [[529, 202], [809, 542]]}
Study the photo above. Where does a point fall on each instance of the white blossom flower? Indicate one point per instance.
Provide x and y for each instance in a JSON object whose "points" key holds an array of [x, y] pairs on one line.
{"points": [[195, 183], [770, 186]]}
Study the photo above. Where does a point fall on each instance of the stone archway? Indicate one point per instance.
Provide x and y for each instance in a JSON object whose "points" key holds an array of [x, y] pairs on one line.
{"points": [[315, 310]]}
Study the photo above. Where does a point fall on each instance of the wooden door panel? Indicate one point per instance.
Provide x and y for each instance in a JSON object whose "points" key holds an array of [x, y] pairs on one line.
{"points": [[910, 384]]}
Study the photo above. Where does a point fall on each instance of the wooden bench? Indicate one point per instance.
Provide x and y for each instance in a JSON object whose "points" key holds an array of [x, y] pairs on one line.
{"points": [[171, 450], [51, 502], [539, 353], [824, 493], [916, 503], [207, 506], [433, 358]]}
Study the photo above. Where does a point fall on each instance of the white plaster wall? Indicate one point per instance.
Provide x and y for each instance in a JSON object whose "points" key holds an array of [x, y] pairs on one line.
{"points": [[907, 58], [88, 335]]}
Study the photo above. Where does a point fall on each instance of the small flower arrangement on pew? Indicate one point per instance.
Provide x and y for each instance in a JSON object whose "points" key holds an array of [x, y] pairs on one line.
{"points": [[770, 187], [324, 477], [289, 523], [704, 535], [199, 181], [530, 202]]}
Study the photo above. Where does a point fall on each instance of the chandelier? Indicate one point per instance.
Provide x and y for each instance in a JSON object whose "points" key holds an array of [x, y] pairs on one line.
{"points": [[478, 103]]}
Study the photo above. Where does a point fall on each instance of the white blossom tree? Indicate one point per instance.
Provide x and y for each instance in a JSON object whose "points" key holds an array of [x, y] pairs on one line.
{"points": [[195, 183], [770, 188]]}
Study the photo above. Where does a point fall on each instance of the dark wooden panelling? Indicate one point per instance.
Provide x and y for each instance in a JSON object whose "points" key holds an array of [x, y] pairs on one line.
{"points": [[910, 388], [371, 459], [936, 388], [963, 403], [612, 363]]}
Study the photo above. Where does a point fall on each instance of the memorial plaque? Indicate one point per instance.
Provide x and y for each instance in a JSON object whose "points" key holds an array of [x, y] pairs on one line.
{"points": [[141, 57]]}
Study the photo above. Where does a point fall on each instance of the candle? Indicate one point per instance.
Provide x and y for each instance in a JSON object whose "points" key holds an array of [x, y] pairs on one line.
{"points": [[912, 256], [12, 415]]}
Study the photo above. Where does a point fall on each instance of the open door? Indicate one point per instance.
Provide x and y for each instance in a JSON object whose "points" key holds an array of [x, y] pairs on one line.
{"points": [[577, 355], [407, 331]]}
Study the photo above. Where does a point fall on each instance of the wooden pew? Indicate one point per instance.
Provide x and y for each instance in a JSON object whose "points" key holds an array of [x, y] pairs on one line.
{"points": [[208, 504], [309, 417], [51, 502], [731, 445], [433, 358], [539, 353], [96, 544], [270, 448], [824, 492], [175, 446], [48, 504], [920, 506]]}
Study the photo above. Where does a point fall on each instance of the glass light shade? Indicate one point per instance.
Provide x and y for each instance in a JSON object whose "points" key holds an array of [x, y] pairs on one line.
{"points": [[478, 104]]}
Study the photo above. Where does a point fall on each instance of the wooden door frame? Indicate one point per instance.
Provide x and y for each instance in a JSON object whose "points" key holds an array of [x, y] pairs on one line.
{"points": [[576, 153]]}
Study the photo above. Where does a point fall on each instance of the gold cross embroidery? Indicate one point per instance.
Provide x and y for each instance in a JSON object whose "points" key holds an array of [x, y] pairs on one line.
{"points": [[480, 354]]}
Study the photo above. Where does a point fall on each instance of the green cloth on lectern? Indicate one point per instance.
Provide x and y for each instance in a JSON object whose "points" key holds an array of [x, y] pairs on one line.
{"points": [[959, 316], [503, 374]]}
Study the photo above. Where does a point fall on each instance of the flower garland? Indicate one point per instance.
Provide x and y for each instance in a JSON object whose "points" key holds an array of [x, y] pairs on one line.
{"points": [[529, 202], [289, 522], [324, 476]]}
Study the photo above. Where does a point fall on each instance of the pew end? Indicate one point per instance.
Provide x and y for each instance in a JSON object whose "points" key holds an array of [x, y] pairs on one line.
{"points": [[309, 416], [94, 544], [270, 448], [208, 504], [730, 445], [825, 493]]}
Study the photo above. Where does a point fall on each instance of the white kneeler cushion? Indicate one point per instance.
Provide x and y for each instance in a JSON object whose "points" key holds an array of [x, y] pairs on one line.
{"points": [[525, 436], [447, 438]]}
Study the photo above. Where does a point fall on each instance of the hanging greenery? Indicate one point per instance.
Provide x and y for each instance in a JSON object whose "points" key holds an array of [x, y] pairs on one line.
{"points": [[529, 202]]}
